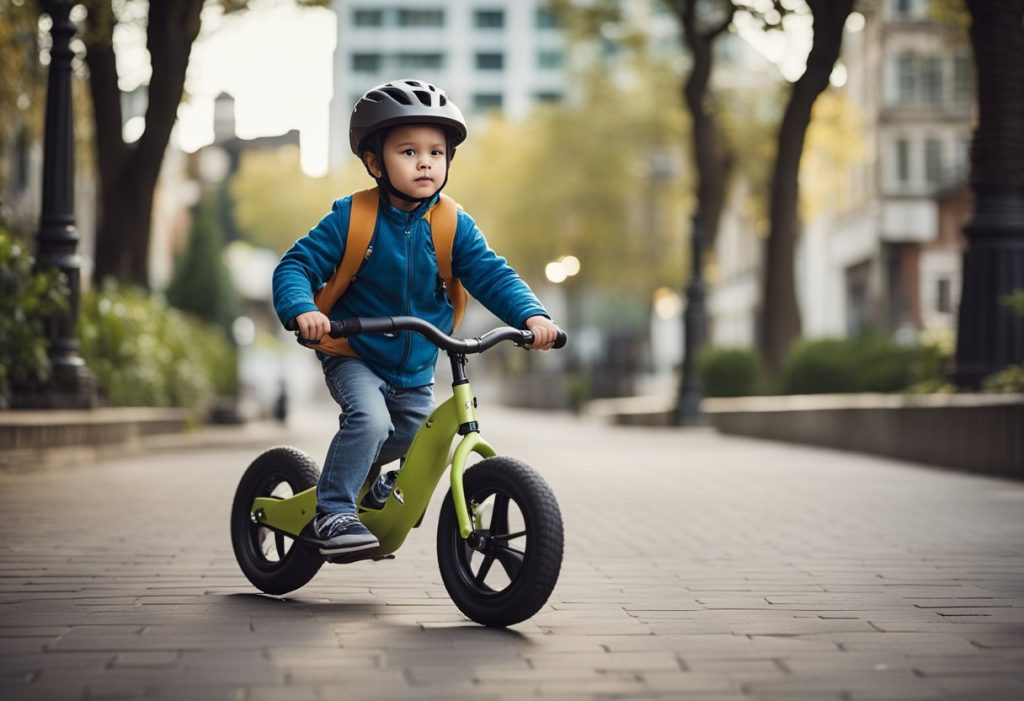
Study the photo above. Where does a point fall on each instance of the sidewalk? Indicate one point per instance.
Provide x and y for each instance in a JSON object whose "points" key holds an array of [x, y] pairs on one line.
{"points": [[697, 566]]}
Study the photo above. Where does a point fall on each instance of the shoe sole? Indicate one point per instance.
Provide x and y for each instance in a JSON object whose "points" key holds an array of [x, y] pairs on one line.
{"points": [[343, 549]]}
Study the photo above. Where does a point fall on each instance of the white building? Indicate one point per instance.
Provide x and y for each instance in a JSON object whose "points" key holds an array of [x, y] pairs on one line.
{"points": [[504, 55], [886, 254]]}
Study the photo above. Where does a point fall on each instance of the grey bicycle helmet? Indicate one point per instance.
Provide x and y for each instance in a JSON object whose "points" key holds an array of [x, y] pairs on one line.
{"points": [[404, 102]]}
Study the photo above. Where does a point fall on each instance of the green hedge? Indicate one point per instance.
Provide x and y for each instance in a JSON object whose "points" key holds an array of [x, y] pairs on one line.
{"points": [[145, 353], [730, 372], [27, 300], [869, 363]]}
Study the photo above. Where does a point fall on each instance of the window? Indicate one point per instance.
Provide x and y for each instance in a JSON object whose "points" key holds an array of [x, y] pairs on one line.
{"points": [[489, 19], [932, 160], [421, 18], [366, 63], [944, 296], [902, 161], [548, 97], [483, 102], [931, 80], [546, 19], [490, 62], [905, 78], [903, 9], [367, 18], [550, 58], [963, 79], [857, 309], [417, 61], [960, 155]]}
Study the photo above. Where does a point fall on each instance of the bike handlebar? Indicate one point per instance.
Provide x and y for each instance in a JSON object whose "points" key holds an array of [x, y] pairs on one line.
{"points": [[391, 324]]}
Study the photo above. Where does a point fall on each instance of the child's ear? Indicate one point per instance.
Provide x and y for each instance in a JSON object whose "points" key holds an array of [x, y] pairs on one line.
{"points": [[370, 161]]}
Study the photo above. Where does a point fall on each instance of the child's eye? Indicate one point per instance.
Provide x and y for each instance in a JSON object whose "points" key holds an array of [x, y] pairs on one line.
{"points": [[437, 152], [409, 152]]}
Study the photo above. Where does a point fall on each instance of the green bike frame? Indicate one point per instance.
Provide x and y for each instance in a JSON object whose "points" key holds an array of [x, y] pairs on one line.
{"points": [[425, 463]]}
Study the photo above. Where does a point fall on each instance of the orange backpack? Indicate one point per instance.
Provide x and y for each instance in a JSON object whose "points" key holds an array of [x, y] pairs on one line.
{"points": [[443, 218]]}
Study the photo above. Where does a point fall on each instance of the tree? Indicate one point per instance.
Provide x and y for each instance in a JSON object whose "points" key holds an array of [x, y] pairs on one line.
{"points": [[276, 203], [201, 284], [780, 314], [24, 80], [711, 156], [989, 335], [128, 172]]}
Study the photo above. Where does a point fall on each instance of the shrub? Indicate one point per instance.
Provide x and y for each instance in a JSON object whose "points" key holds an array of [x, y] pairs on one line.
{"points": [[28, 299], [145, 353], [1009, 379], [869, 363], [201, 284], [729, 372]]}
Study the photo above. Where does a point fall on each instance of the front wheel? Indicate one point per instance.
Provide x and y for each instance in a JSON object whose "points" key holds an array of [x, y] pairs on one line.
{"points": [[510, 572], [273, 562]]}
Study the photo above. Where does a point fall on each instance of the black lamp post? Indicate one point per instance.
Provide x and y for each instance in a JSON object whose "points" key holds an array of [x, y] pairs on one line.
{"points": [[990, 335], [72, 385], [691, 389]]}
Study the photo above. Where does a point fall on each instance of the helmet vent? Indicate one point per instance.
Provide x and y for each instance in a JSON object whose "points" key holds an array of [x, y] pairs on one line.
{"points": [[397, 95], [413, 83], [374, 96], [444, 100], [423, 96]]}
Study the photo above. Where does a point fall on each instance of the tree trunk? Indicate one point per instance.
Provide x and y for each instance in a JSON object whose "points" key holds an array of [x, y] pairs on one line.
{"points": [[711, 158], [781, 313], [990, 335], [129, 172]]}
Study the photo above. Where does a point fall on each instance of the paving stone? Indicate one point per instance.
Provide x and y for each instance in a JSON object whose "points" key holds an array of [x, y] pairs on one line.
{"points": [[756, 571]]}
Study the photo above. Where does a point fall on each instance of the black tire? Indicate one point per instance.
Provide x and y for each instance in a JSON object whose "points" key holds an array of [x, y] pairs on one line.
{"points": [[523, 507], [274, 563]]}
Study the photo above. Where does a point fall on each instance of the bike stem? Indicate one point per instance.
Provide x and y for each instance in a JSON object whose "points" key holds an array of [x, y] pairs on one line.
{"points": [[465, 402]]}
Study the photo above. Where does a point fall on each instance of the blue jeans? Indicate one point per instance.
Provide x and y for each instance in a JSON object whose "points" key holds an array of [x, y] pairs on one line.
{"points": [[376, 426]]}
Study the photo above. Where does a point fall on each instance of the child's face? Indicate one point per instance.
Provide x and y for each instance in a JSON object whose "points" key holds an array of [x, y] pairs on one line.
{"points": [[415, 156]]}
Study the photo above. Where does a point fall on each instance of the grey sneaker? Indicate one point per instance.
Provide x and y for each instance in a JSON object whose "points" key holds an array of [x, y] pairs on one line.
{"points": [[342, 533]]}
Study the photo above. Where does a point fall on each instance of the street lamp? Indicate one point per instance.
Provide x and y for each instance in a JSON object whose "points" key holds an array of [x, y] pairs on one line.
{"points": [[558, 272], [72, 385], [691, 389]]}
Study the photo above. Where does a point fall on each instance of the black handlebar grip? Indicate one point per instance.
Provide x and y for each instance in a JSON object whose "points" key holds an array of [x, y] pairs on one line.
{"points": [[345, 328], [561, 339]]}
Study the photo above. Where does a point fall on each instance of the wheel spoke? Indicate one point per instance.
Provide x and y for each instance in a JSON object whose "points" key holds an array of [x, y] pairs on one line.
{"points": [[279, 544], [499, 518], [511, 560], [508, 536], [485, 567]]}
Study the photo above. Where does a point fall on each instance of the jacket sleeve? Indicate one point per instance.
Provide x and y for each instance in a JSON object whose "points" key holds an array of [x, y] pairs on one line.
{"points": [[489, 278], [310, 263]]}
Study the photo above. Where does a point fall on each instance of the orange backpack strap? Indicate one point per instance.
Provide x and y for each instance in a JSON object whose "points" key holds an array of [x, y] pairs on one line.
{"points": [[444, 219], [361, 223]]}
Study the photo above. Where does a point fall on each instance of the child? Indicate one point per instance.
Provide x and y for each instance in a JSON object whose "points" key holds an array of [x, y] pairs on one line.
{"points": [[405, 133]]}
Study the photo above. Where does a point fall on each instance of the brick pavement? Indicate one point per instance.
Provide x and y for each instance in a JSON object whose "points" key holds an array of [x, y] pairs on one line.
{"points": [[696, 566]]}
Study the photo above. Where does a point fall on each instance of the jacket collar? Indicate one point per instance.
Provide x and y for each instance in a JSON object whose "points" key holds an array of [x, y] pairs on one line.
{"points": [[400, 216]]}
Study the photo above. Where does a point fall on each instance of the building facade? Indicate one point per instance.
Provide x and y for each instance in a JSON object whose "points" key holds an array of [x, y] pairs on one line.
{"points": [[885, 255], [488, 55]]}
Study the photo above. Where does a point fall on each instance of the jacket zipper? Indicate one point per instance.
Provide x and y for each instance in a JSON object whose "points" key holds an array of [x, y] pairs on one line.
{"points": [[406, 303]]}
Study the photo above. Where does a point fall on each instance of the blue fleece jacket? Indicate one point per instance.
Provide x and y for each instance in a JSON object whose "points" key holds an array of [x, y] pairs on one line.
{"points": [[399, 278]]}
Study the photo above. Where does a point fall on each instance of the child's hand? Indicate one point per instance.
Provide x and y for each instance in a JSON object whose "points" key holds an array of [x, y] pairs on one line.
{"points": [[544, 332], [313, 326]]}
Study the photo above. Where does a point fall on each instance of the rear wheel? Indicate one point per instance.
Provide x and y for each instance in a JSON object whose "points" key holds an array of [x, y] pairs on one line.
{"points": [[508, 574], [273, 562]]}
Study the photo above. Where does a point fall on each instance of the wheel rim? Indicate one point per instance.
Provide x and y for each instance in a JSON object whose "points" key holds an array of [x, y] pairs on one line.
{"points": [[496, 567], [269, 549]]}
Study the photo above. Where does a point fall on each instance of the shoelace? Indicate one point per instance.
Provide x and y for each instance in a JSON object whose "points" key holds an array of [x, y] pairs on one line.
{"points": [[336, 523]]}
